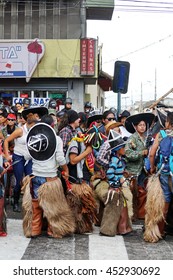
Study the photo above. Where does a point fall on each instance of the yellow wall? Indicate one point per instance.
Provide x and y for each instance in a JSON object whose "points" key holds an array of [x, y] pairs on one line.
{"points": [[61, 60]]}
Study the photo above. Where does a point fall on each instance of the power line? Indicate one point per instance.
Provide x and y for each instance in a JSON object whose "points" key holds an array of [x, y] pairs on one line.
{"points": [[143, 6], [138, 6], [142, 48]]}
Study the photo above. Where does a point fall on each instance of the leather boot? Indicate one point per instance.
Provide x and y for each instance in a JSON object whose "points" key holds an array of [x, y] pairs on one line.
{"points": [[142, 195], [134, 190], [37, 218], [162, 223], [124, 225]]}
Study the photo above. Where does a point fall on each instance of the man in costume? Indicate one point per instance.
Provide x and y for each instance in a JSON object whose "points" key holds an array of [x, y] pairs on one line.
{"points": [[32, 115], [69, 129], [159, 187], [80, 195], [136, 150], [44, 195], [115, 216]]}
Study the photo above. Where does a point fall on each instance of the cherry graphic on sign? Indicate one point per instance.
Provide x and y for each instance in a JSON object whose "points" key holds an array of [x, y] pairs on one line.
{"points": [[8, 65], [35, 47]]}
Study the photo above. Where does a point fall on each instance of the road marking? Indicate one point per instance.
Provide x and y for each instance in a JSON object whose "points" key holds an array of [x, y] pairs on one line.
{"points": [[95, 247], [15, 243], [106, 248]]}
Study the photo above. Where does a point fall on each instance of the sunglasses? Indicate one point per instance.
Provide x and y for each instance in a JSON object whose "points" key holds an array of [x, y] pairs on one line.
{"points": [[98, 121], [110, 119], [11, 120]]}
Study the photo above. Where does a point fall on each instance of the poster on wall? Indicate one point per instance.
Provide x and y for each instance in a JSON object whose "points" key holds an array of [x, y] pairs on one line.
{"points": [[19, 59]]}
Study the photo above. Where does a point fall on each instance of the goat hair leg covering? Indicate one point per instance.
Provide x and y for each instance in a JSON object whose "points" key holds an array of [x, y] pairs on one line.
{"points": [[52, 200], [154, 208]]}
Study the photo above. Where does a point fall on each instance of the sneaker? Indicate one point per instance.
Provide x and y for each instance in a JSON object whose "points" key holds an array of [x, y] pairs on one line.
{"points": [[3, 234]]}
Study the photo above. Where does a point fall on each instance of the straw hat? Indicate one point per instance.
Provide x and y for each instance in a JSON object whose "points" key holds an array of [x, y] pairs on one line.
{"points": [[112, 125]]}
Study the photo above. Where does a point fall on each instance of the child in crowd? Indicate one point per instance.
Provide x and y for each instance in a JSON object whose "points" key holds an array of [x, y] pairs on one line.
{"points": [[115, 216]]}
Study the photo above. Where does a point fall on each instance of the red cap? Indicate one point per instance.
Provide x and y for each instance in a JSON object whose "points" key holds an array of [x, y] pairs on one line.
{"points": [[11, 116]]}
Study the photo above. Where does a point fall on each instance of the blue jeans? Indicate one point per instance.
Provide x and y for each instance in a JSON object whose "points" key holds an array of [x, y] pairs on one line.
{"points": [[141, 179], [20, 169], [36, 183], [164, 180]]}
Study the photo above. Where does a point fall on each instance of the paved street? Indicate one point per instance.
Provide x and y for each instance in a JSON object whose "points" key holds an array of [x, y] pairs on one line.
{"points": [[81, 247]]}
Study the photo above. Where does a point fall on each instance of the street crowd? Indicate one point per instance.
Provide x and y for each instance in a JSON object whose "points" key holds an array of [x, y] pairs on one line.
{"points": [[75, 170]]}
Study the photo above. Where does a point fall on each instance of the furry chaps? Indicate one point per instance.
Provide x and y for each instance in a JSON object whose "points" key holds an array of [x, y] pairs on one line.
{"points": [[154, 209]]}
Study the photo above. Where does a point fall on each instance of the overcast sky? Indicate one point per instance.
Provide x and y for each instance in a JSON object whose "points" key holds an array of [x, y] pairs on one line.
{"points": [[144, 39]]}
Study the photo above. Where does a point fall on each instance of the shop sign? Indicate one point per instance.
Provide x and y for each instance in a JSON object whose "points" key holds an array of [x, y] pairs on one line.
{"points": [[24, 95], [36, 101], [87, 57], [19, 59]]}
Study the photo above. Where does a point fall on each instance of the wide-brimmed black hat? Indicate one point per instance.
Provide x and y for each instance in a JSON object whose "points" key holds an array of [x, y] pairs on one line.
{"points": [[124, 114], [94, 116], [115, 140], [133, 120], [41, 142], [41, 111]]}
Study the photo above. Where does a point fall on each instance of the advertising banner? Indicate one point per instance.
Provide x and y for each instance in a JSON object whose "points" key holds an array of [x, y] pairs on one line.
{"points": [[20, 59]]}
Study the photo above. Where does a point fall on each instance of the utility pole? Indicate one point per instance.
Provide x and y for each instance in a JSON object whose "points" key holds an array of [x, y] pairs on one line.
{"points": [[125, 105]]}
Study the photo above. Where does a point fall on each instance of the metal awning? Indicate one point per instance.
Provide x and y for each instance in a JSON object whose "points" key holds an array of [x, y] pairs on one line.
{"points": [[34, 84], [105, 81], [99, 10]]}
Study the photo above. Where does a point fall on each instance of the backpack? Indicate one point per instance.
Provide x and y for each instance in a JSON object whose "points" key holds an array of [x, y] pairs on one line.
{"points": [[165, 154]]}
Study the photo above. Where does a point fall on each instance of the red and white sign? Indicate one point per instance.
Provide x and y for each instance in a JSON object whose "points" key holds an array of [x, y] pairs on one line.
{"points": [[87, 55], [19, 59], [24, 95]]}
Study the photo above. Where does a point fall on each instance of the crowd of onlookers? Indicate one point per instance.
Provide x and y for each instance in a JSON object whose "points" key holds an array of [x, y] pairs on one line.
{"points": [[104, 151]]}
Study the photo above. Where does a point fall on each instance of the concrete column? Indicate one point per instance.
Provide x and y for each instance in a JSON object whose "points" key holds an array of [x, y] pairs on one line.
{"points": [[14, 20], [42, 20], [83, 19], [56, 19], [32, 97], [76, 92], [28, 20], [2, 20]]}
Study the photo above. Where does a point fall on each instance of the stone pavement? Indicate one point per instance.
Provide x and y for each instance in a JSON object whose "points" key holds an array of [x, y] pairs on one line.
{"points": [[82, 247]]}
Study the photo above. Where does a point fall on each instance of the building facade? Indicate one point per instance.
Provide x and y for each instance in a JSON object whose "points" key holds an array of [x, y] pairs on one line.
{"points": [[61, 27]]}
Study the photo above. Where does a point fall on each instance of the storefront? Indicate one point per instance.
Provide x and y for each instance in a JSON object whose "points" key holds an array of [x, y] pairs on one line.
{"points": [[47, 69], [38, 90]]}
